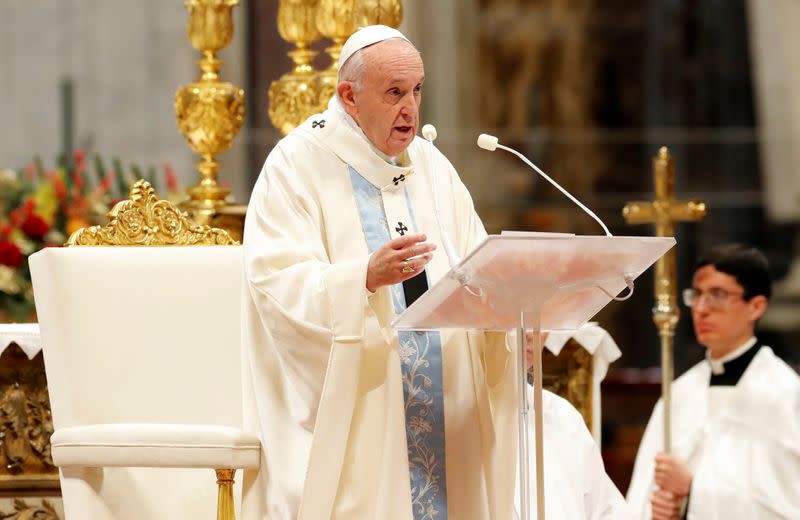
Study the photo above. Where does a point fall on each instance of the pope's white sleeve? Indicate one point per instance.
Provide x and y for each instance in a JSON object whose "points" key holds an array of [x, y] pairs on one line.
{"points": [[302, 298]]}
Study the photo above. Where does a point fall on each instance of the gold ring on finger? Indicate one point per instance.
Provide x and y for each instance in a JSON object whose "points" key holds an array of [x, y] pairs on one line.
{"points": [[407, 268]]}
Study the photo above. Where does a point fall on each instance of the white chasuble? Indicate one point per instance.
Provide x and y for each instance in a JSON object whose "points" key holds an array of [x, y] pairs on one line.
{"points": [[741, 442], [324, 383], [576, 486]]}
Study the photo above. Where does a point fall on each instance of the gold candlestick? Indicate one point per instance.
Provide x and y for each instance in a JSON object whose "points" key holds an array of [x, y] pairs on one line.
{"points": [[334, 21], [293, 97], [209, 112], [664, 212]]}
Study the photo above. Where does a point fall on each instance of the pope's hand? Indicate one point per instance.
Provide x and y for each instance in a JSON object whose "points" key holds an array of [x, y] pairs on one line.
{"points": [[673, 475], [666, 506], [397, 260]]}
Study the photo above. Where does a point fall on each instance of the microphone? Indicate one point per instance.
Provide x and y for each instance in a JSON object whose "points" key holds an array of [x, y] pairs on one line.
{"points": [[429, 133], [490, 143]]}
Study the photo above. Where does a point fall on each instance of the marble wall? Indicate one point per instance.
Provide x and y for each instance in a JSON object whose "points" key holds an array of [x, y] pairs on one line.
{"points": [[125, 60]]}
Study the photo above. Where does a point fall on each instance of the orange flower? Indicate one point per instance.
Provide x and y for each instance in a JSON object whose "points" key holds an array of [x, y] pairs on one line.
{"points": [[76, 223], [58, 185]]}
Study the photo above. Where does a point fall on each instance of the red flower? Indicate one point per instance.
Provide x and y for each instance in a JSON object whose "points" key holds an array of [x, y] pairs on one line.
{"points": [[172, 179], [105, 184], [19, 215], [10, 254], [35, 227], [31, 172], [77, 180], [80, 161]]}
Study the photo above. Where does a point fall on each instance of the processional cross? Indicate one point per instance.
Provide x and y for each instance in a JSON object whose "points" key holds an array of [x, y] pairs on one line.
{"points": [[664, 212]]}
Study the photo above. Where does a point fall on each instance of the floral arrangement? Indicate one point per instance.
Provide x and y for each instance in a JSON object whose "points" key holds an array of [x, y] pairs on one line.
{"points": [[41, 207]]}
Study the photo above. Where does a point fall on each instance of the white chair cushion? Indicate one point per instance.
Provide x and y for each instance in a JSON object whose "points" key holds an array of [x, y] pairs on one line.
{"points": [[155, 445]]}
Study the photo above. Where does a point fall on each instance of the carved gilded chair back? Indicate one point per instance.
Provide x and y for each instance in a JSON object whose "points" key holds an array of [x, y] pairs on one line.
{"points": [[146, 220], [570, 375]]}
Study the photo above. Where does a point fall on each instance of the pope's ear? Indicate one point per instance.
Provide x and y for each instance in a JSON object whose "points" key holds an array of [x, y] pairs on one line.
{"points": [[758, 304], [346, 94]]}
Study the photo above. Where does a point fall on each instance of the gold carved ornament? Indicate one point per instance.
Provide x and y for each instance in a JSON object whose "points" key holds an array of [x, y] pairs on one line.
{"points": [[570, 375], [25, 423], [24, 511], [209, 112], [146, 220]]}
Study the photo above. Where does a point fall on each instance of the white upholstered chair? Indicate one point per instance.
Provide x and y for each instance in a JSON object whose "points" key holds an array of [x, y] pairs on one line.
{"points": [[142, 355]]}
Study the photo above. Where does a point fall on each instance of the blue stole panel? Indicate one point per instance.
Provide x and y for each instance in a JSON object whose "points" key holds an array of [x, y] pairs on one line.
{"points": [[421, 365]]}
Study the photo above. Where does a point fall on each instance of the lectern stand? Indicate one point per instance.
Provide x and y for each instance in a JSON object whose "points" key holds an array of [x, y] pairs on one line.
{"points": [[538, 282]]}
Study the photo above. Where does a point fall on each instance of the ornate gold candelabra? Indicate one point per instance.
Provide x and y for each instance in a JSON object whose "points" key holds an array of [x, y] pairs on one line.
{"points": [[293, 97], [209, 112], [664, 212]]}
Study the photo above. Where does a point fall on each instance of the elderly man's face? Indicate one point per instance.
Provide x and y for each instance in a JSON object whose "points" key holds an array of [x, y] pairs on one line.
{"points": [[387, 105]]}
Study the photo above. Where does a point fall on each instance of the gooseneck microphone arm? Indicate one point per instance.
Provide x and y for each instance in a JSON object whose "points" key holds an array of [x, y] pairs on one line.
{"points": [[429, 133], [489, 142]]}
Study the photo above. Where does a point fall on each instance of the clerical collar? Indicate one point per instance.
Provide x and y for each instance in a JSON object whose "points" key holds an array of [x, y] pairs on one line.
{"points": [[727, 370]]}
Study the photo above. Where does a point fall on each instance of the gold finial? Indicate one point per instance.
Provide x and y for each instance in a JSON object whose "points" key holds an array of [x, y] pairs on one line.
{"points": [[293, 97], [209, 112], [146, 220]]}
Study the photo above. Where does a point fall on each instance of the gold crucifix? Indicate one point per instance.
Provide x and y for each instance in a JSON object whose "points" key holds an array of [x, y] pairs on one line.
{"points": [[664, 212]]}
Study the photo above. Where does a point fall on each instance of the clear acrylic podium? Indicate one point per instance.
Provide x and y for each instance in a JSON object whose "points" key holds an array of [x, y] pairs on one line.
{"points": [[538, 282]]}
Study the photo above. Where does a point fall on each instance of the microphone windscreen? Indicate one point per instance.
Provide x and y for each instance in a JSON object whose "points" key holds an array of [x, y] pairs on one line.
{"points": [[429, 132], [487, 142]]}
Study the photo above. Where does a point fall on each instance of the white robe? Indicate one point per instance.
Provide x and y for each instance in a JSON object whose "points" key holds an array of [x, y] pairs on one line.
{"points": [[322, 380], [604, 350], [742, 443], [576, 486]]}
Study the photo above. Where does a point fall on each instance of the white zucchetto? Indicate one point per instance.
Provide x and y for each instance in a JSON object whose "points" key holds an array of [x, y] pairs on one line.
{"points": [[365, 37]]}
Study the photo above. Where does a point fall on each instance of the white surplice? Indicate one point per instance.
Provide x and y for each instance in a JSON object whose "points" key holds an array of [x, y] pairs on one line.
{"points": [[604, 350], [323, 378], [576, 486], [742, 443]]}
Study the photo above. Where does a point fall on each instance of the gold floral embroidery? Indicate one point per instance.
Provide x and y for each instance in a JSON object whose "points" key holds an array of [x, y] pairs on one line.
{"points": [[425, 460]]}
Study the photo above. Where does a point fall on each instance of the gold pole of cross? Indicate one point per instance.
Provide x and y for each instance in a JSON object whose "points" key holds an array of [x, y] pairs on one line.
{"points": [[664, 212]]}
